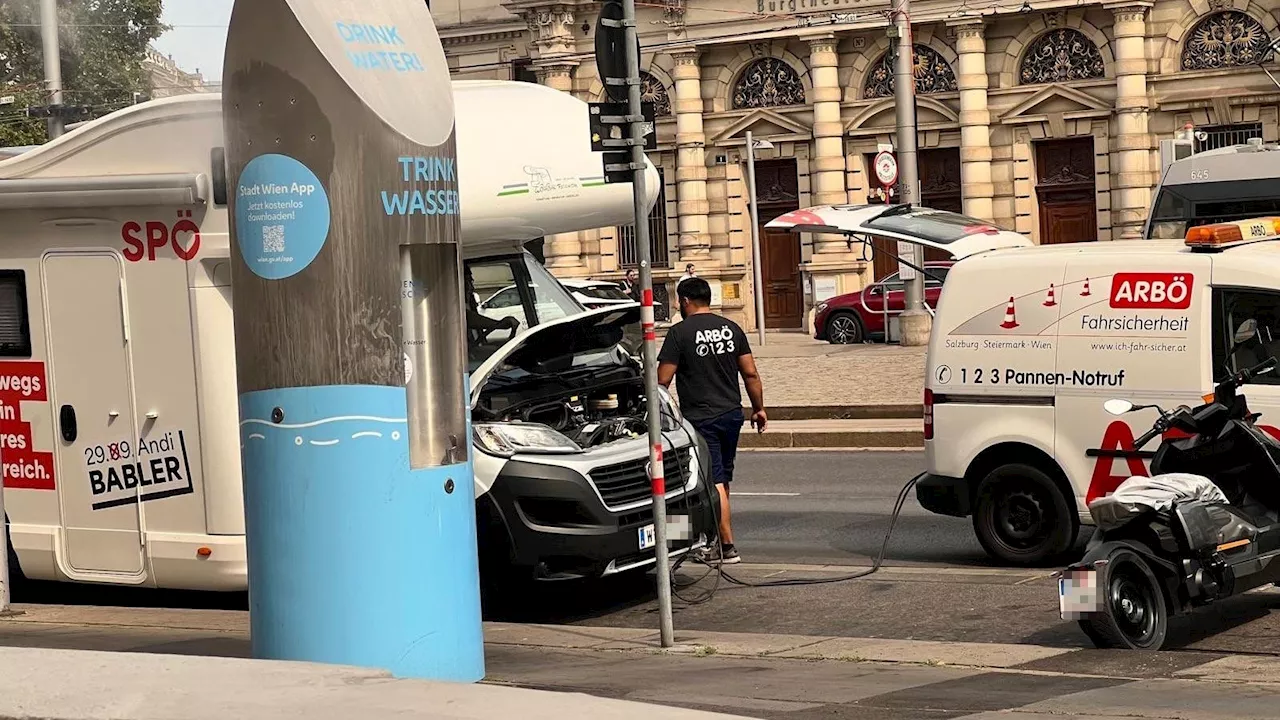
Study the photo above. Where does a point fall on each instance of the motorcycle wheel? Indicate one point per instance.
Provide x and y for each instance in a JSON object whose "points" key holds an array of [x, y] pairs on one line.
{"points": [[1134, 613]]}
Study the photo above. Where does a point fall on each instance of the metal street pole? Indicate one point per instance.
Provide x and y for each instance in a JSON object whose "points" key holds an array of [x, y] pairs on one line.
{"points": [[915, 321], [756, 258], [52, 64], [658, 479]]}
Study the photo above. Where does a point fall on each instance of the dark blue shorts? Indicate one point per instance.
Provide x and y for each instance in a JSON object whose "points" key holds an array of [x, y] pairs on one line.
{"points": [[721, 435]]}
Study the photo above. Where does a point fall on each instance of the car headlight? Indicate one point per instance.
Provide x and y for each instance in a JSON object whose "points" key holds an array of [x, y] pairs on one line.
{"points": [[672, 418], [507, 439]]}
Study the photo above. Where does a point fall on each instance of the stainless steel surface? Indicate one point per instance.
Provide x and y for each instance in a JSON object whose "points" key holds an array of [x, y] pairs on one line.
{"points": [[52, 62], [756, 258], [666, 631], [434, 337]]}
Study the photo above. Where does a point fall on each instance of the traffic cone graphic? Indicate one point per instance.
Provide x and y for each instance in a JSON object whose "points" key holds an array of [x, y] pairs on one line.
{"points": [[1050, 301], [1010, 319], [1085, 292]]}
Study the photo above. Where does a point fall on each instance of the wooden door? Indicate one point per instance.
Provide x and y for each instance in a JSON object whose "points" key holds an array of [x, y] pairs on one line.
{"points": [[1065, 191], [783, 302], [778, 192]]}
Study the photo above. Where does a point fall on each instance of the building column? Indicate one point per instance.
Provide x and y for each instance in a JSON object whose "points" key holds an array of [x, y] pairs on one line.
{"points": [[975, 119], [564, 251], [1131, 167], [827, 166], [691, 160]]}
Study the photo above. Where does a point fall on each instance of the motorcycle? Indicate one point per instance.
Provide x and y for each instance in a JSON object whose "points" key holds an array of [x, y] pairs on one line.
{"points": [[1204, 527]]}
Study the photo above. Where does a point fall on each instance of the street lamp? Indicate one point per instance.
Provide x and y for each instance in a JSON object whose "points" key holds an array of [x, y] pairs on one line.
{"points": [[757, 259]]}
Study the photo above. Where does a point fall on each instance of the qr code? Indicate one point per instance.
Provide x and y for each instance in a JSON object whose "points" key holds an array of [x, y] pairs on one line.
{"points": [[273, 239]]}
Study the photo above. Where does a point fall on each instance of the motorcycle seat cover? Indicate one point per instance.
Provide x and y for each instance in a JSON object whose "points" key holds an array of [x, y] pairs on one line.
{"points": [[1139, 495]]}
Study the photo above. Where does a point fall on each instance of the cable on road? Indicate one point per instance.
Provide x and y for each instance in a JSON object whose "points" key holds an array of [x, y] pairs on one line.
{"points": [[720, 573]]}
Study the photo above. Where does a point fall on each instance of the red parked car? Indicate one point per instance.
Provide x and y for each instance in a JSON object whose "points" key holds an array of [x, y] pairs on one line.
{"points": [[860, 316]]}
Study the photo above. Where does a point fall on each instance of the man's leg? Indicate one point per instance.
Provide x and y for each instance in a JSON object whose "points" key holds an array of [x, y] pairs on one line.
{"points": [[711, 435], [730, 428]]}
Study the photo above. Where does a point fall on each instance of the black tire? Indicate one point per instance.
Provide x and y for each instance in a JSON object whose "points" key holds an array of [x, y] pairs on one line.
{"points": [[1135, 612], [845, 328], [1022, 518]]}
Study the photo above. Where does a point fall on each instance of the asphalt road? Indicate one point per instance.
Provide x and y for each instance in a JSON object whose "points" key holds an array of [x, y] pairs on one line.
{"points": [[834, 508]]}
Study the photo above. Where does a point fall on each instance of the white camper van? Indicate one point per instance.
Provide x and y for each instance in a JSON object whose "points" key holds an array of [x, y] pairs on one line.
{"points": [[119, 432], [1029, 342]]}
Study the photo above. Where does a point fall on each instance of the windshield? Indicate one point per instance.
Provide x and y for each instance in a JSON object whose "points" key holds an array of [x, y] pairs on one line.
{"points": [[504, 296], [603, 292], [1179, 207]]}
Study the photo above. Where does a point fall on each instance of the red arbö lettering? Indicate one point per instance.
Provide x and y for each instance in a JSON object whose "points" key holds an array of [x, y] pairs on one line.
{"points": [[1151, 291], [144, 241]]}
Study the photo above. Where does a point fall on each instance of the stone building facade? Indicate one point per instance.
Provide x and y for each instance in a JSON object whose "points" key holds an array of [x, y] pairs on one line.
{"points": [[166, 79], [1044, 117]]}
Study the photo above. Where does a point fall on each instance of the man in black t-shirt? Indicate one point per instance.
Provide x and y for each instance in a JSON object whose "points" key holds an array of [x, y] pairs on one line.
{"points": [[705, 354]]}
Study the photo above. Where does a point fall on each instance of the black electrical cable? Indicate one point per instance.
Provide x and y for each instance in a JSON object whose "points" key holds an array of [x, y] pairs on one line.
{"points": [[876, 564]]}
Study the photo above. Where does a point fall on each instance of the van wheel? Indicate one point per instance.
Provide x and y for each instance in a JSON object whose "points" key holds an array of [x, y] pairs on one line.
{"points": [[1021, 517], [844, 328]]}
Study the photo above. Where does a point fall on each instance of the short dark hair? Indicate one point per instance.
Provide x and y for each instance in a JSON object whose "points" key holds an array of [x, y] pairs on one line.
{"points": [[695, 290]]}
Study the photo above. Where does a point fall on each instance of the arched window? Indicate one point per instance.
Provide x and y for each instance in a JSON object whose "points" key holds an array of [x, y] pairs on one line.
{"points": [[933, 74], [1061, 55], [768, 82], [652, 90], [1225, 39]]}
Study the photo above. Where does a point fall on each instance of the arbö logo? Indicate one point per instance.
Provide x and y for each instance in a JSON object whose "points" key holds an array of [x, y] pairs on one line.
{"points": [[1151, 291]]}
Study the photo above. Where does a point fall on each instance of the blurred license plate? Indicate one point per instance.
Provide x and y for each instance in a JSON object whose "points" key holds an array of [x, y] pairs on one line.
{"points": [[1078, 594], [646, 537]]}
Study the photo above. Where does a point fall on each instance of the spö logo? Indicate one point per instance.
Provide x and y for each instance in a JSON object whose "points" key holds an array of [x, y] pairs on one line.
{"points": [[1151, 291]]}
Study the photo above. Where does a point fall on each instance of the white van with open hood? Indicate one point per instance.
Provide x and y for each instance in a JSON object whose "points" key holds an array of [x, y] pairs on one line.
{"points": [[119, 427]]}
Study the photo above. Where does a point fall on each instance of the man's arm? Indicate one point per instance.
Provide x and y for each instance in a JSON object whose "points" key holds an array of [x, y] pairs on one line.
{"points": [[668, 359], [755, 390]]}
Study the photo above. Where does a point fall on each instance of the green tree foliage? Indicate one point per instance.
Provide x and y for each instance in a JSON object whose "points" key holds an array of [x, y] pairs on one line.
{"points": [[103, 43]]}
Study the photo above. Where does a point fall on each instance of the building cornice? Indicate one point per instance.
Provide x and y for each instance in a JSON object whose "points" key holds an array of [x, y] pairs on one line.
{"points": [[471, 33]]}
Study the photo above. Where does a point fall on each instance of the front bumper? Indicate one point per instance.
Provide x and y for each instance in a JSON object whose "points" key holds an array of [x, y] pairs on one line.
{"points": [[584, 518], [944, 495]]}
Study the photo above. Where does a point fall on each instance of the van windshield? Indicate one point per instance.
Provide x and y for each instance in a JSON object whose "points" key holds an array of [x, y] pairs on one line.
{"points": [[505, 295], [1179, 207]]}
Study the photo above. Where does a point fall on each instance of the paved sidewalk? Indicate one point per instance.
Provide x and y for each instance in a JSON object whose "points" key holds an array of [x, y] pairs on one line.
{"points": [[800, 371], [787, 677]]}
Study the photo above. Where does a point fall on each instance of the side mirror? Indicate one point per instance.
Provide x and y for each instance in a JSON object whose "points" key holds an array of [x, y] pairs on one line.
{"points": [[1247, 331], [1116, 406]]}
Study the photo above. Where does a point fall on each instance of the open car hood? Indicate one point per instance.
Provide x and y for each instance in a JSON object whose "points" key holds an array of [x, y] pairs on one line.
{"points": [[552, 345], [958, 235]]}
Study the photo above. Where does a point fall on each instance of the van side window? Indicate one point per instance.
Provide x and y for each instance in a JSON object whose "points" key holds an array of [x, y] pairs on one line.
{"points": [[15, 327], [1232, 307]]}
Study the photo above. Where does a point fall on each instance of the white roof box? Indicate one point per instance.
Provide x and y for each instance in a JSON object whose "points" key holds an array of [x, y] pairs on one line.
{"points": [[525, 166]]}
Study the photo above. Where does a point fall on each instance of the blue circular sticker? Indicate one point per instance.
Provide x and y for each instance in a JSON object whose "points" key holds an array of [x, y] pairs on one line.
{"points": [[282, 216]]}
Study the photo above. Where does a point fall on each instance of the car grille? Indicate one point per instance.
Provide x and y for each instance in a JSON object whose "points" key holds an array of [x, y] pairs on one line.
{"points": [[628, 482]]}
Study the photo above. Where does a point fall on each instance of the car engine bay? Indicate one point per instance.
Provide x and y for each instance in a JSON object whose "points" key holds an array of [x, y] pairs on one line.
{"points": [[590, 416]]}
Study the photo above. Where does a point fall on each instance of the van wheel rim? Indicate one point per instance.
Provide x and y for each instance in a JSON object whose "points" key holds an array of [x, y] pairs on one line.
{"points": [[1021, 519], [1131, 601], [843, 329]]}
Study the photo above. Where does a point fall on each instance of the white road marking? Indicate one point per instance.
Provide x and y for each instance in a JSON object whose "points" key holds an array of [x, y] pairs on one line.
{"points": [[763, 494]]}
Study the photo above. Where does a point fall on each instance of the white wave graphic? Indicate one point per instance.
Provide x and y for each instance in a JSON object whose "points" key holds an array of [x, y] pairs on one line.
{"points": [[323, 442], [367, 433], [257, 436], [314, 423]]}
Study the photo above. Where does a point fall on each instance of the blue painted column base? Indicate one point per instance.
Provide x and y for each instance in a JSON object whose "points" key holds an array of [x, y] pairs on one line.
{"points": [[354, 558]]}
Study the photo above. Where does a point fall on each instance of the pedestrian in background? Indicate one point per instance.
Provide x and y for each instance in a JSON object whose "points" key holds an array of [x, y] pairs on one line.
{"points": [[631, 284], [706, 354]]}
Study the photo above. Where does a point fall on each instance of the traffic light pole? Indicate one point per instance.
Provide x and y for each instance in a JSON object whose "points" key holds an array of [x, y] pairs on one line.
{"points": [[915, 320], [636, 125]]}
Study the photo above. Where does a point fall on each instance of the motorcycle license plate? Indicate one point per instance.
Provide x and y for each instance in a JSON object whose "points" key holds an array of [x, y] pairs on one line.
{"points": [[1078, 594]]}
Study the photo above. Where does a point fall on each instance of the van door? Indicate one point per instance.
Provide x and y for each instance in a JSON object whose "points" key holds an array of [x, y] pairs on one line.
{"points": [[1134, 326], [92, 396]]}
